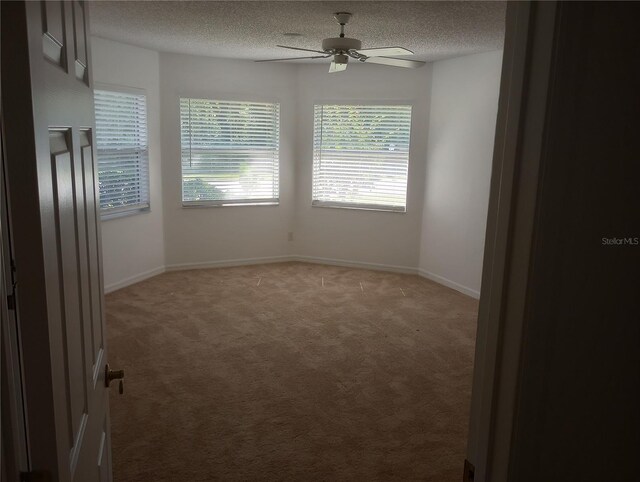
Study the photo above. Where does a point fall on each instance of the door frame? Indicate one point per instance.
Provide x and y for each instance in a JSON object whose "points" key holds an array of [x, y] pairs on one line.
{"points": [[14, 455], [529, 51]]}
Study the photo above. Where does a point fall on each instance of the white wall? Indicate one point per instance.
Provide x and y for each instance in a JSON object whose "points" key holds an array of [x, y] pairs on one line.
{"points": [[218, 234], [464, 105], [133, 246], [384, 238], [442, 233]]}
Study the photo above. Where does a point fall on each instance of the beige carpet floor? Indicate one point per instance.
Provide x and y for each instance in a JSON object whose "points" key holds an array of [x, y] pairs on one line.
{"points": [[290, 371]]}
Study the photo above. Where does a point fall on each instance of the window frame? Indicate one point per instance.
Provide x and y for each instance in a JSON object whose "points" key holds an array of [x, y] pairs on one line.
{"points": [[363, 102], [224, 97], [131, 210]]}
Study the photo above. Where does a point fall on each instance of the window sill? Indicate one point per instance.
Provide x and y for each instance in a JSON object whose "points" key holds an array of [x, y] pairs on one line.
{"points": [[123, 213], [204, 204], [355, 207]]}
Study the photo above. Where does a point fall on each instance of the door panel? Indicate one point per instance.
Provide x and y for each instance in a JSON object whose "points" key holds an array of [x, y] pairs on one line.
{"points": [[104, 457], [55, 228], [69, 283], [83, 263], [53, 31], [80, 40], [94, 296]]}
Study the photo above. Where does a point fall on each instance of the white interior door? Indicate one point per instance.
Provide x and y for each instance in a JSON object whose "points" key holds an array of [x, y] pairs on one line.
{"points": [[54, 219]]}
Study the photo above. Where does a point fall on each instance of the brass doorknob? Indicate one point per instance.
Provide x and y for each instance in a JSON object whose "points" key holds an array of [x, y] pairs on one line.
{"points": [[114, 375]]}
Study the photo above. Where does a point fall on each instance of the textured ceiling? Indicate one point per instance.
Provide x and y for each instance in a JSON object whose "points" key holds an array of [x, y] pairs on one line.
{"points": [[250, 30]]}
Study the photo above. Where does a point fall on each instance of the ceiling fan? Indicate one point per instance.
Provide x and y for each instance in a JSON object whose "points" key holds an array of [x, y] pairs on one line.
{"points": [[342, 48]]}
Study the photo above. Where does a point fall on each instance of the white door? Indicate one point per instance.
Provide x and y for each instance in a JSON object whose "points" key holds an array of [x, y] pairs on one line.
{"points": [[48, 123]]}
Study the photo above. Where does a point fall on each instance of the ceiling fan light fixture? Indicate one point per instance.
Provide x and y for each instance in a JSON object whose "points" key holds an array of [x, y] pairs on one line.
{"points": [[334, 67], [340, 59]]}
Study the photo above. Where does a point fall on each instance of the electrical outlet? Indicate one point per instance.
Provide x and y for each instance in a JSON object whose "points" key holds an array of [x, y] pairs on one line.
{"points": [[290, 236]]}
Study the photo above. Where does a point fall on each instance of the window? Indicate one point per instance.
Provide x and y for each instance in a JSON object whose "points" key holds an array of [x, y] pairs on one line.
{"points": [[361, 156], [121, 140], [230, 152]]}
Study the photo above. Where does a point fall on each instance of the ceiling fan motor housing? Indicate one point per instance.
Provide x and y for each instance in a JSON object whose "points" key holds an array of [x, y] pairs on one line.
{"points": [[341, 44]]}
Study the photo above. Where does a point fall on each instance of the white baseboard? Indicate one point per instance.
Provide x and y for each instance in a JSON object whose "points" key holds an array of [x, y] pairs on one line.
{"points": [[228, 263], [301, 258], [450, 284], [356, 264], [293, 257], [134, 279]]}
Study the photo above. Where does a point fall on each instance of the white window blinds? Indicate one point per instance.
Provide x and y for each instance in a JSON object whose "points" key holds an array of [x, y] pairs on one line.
{"points": [[361, 156], [230, 152], [121, 141]]}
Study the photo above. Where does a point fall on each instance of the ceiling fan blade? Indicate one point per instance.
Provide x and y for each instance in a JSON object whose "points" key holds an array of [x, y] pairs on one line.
{"points": [[384, 51], [409, 64], [298, 48], [295, 58], [333, 68]]}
